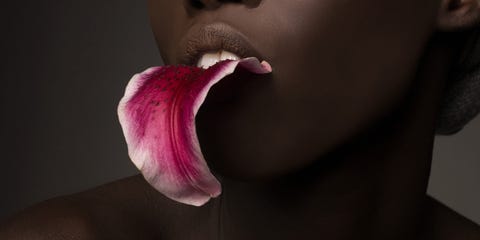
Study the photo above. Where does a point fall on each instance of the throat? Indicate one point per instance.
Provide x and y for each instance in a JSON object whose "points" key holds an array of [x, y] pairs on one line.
{"points": [[343, 199]]}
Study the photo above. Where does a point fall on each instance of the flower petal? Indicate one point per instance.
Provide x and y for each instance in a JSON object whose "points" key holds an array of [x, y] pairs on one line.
{"points": [[157, 116]]}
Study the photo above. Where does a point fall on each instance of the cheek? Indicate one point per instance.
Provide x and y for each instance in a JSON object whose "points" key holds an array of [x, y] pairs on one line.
{"points": [[346, 63], [168, 23]]}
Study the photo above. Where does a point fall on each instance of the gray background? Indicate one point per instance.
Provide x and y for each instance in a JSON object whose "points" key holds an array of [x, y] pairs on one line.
{"points": [[64, 68]]}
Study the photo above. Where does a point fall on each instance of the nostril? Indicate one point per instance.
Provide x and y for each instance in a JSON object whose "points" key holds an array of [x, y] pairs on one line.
{"points": [[214, 4], [197, 3]]}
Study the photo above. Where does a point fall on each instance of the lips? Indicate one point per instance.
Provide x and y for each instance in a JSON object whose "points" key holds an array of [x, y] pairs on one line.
{"points": [[214, 37]]}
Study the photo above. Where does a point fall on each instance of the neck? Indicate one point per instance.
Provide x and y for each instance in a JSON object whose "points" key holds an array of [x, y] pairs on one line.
{"points": [[373, 187]]}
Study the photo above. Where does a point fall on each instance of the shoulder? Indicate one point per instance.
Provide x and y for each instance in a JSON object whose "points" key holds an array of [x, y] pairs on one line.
{"points": [[445, 224], [118, 210], [56, 218]]}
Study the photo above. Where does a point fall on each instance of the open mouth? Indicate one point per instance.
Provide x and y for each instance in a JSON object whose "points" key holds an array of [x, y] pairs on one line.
{"points": [[210, 58]]}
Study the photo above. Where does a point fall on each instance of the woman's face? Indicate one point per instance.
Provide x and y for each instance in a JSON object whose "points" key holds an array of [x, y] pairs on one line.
{"points": [[338, 65]]}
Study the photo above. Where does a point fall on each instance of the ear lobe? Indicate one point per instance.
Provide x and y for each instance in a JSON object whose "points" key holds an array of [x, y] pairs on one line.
{"points": [[455, 15]]}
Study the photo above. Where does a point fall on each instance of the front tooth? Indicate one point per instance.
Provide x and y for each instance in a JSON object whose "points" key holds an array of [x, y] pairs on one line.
{"points": [[228, 55], [208, 59]]}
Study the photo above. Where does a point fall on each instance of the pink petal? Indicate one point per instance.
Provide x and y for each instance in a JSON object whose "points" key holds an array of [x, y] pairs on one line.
{"points": [[157, 115]]}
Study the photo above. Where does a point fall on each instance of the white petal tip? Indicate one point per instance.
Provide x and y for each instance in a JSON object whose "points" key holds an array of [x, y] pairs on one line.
{"points": [[266, 66]]}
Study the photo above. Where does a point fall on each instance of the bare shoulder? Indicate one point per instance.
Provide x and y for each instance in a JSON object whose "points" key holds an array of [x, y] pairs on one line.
{"points": [[446, 224], [123, 209], [57, 218]]}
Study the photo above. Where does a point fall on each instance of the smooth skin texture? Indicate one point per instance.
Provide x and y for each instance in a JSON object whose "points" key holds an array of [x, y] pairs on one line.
{"points": [[338, 145]]}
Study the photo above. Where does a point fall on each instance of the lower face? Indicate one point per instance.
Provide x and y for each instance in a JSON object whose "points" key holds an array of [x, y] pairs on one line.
{"points": [[337, 66]]}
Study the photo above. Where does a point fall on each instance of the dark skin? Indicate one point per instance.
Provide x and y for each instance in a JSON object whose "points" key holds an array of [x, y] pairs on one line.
{"points": [[363, 124]]}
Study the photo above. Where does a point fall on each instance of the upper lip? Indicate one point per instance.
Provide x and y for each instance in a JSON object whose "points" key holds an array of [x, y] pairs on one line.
{"points": [[214, 37]]}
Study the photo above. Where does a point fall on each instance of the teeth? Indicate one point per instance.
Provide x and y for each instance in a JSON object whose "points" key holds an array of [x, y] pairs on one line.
{"points": [[228, 55], [210, 58]]}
